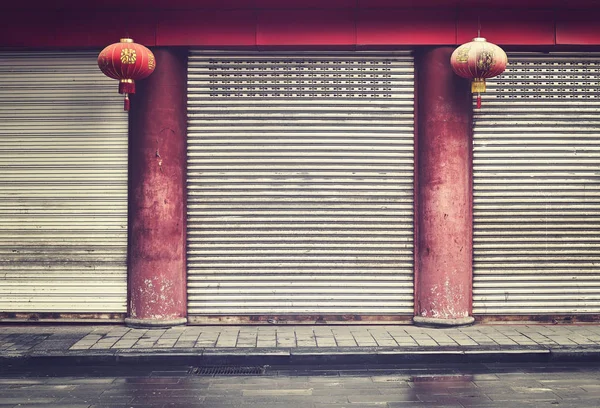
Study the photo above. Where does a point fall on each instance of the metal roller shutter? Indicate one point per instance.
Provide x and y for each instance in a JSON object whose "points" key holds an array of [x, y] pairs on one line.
{"points": [[537, 188], [63, 182], [300, 184]]}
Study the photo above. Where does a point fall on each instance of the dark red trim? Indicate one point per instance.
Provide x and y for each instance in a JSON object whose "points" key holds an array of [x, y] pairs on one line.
{"points": [[416, 212], [129, 5], [471, 119]]}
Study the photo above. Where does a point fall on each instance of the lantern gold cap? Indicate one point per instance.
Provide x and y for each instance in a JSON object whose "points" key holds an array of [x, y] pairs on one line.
{"points": [[479, 39], [126, 40]]}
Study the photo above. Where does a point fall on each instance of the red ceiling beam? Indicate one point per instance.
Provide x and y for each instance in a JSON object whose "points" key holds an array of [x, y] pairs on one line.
{"points": [[343, 28]]}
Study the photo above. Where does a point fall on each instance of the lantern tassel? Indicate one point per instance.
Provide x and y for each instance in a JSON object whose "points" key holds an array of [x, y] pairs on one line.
{"points": [[126, 103], [478, 85], [126, 86]]}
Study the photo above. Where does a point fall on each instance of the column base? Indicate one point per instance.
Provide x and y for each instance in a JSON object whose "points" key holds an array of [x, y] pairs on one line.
{"points": [[436, 322], [154, 323]]}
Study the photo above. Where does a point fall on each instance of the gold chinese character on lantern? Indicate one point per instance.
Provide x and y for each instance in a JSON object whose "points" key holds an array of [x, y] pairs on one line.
{"points": [[151, 62], [128, 56]]}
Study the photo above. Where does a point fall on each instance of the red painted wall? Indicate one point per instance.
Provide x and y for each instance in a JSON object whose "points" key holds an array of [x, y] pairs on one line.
{"points": [[310, 23]]}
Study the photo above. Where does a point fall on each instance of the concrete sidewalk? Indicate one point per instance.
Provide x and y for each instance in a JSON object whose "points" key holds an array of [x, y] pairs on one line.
{"points": [[284, 345]]}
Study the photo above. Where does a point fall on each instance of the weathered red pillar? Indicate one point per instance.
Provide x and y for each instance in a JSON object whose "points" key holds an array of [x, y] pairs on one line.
{"points": [[157, 202], [443, 270]]}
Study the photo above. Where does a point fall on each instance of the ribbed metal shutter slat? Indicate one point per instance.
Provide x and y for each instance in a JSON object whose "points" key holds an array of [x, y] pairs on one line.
{"points": [[300, 183], [63, 181], [536, 188]]}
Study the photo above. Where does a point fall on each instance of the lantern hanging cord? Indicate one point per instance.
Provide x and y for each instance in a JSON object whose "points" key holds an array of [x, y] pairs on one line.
{"points": [[478, 27]]}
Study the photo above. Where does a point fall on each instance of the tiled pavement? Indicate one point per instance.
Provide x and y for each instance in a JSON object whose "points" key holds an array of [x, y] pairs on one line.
{"points": [[290, 343]]}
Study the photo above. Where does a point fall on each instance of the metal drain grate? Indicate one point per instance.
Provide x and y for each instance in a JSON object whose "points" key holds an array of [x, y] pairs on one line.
{"points": [[214, 371]]}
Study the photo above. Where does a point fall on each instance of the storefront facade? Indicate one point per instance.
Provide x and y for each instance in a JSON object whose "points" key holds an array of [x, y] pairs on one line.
{"points": [[314, 163]]}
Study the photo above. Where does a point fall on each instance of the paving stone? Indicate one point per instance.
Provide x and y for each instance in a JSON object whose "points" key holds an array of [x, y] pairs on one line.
{"points": [[58, 405], [123, 344], [26, 401], [379, 398], [348, 405], [346, 343]]}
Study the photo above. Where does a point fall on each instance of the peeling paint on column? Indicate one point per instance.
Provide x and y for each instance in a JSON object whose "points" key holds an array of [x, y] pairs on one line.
{"points": [[157, 268]]}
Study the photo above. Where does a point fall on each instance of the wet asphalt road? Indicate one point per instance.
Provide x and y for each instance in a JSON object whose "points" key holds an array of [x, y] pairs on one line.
{"points": [[462, 386]]}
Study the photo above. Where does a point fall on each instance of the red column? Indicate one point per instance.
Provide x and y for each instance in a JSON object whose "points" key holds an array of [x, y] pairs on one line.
{"points": [[157, 203], [443, 270]]}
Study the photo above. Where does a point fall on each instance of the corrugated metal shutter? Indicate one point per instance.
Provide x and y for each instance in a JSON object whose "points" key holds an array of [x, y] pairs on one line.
{"points": [[537, 188], [63, 183], [300, 184]]}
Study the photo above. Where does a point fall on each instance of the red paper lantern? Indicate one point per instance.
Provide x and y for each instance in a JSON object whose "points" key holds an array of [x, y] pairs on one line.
{"points": [[127, 62], [478, 60]]}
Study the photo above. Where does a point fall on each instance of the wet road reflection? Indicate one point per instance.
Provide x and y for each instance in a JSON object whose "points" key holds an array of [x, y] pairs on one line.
{"points": [[463, 386]]}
